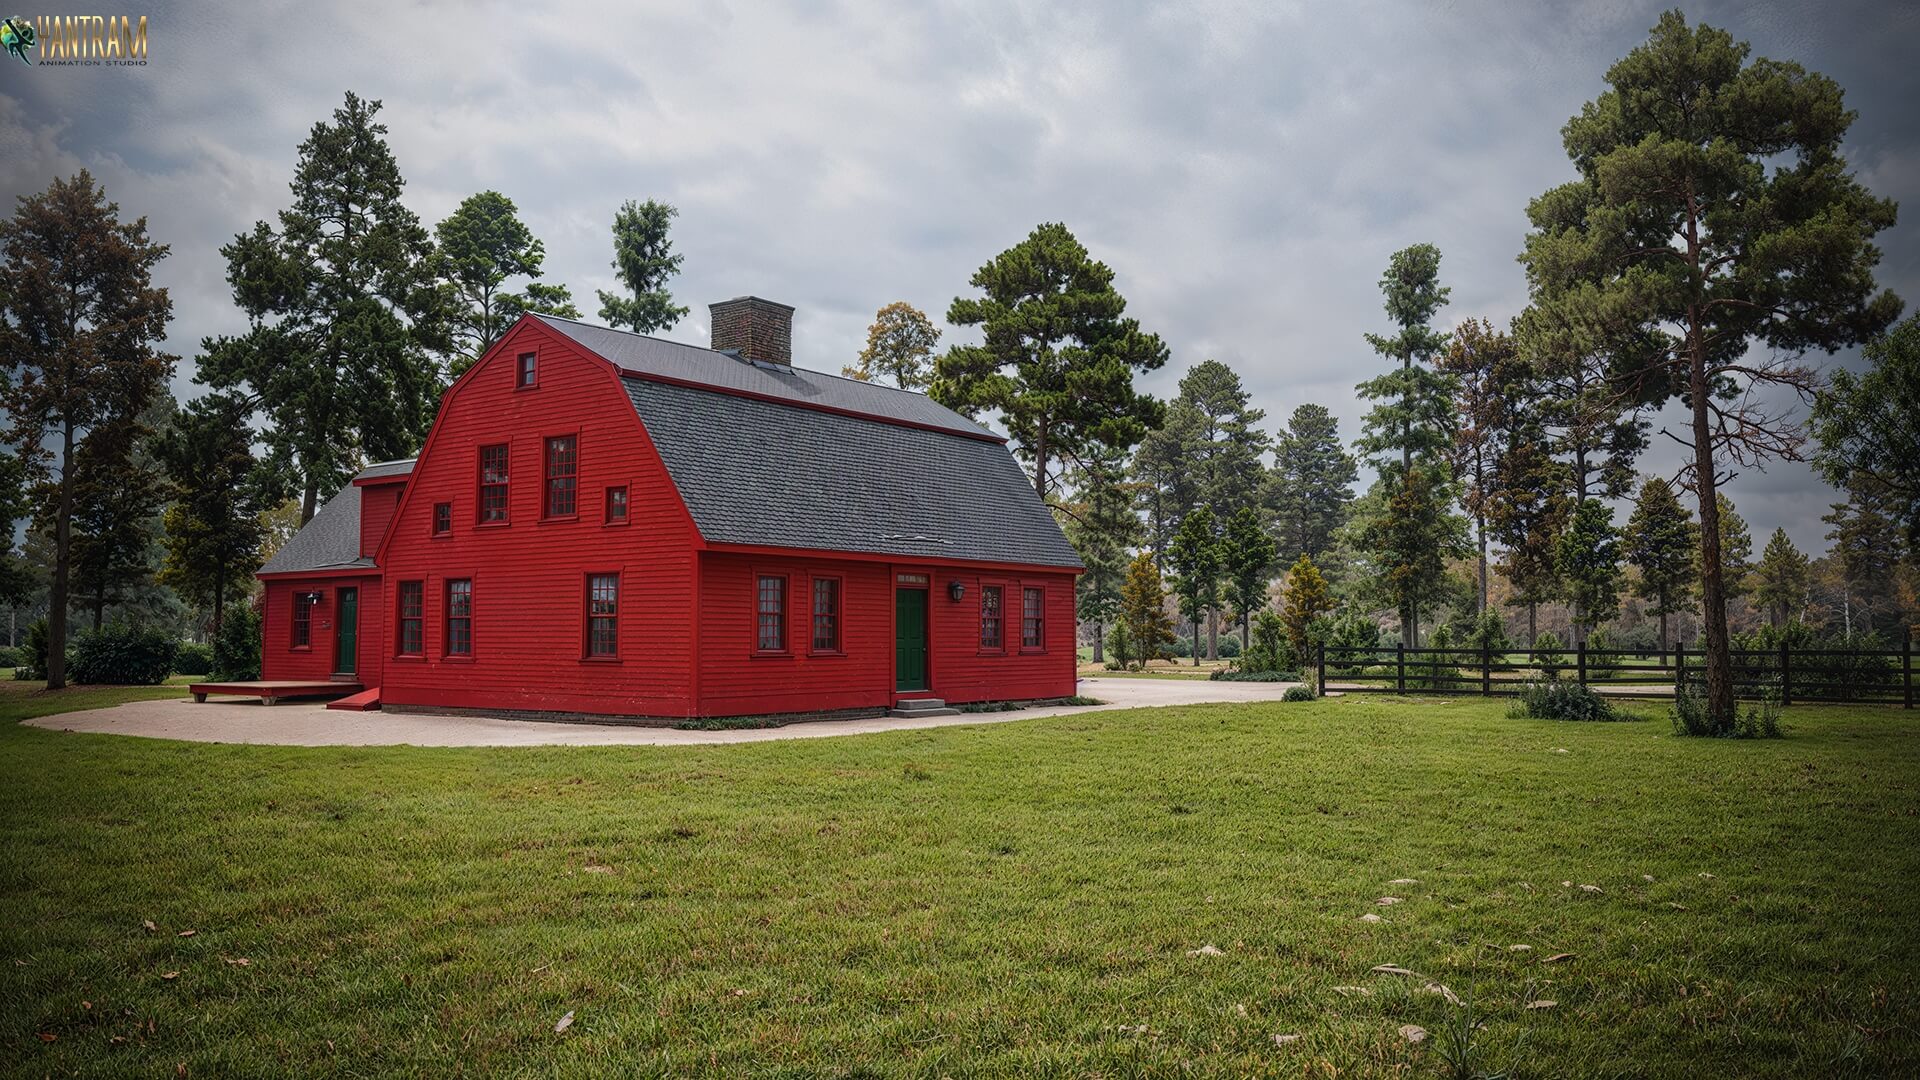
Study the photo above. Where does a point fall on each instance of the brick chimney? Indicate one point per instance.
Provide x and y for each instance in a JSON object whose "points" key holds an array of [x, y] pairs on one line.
{"points": [[756, 329]]}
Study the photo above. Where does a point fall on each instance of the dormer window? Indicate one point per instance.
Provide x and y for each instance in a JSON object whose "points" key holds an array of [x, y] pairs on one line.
{"points": [[528, 372]]}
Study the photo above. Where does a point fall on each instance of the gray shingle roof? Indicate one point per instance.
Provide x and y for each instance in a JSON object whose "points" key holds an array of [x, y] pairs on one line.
{"points": [[691, 363], [759, 472], [331, 541]]}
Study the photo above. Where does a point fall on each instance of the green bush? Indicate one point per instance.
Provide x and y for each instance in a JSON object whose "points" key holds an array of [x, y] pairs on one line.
{"points": [[122, 654], [1553, 699], [1230, 675], [1690, 717], [236, 648], [1548, 654], [193, 658], [1351, 631], [1488, 632], [1229, 645], [33, 662], [1271, 649], [1298, 693], [9, 657]]}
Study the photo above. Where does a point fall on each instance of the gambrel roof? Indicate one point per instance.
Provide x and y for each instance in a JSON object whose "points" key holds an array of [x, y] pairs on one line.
{"points": [[331, 539]]}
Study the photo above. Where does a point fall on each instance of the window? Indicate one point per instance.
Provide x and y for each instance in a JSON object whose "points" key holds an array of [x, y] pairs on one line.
{"points": [[1033, 618], [990, 617], [826, 615], [460, 617], [603, 615], [413, 618], [442, 518], [617, 505], [493, 484], [303, 605], [771, 614], [528, 372], [562, 463]]}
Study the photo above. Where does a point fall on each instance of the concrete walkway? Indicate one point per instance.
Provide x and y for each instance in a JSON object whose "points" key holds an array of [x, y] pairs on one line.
{"points": [[312, 724]]}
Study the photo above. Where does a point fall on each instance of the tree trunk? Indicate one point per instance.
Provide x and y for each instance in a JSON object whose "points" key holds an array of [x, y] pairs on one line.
{"points": [[1482, 523], [62, 550], [1246, 632], [219, 599], [1213, 634], [1196, 641], [1099, 642], [1040, 461], [1663, 624], [1533, 623], [99, 606], [309, 500]]}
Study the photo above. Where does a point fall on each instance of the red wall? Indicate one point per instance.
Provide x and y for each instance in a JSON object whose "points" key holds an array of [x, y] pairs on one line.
{"points": [[529, 575], [280, 660], [737, 680], [377, 504]]}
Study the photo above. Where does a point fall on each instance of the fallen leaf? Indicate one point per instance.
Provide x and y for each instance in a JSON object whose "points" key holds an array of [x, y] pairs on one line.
{"points": [[170, 975], [1646, 877], [1542, 1004], [1413, 1033], [1370, 917], [740, 993], [1566, 884], [1390, 969], [180, 1069], [117, 1040], [238, 961], [1282, 1040], [539, 969], [1590, 888], [1131, 1029], [148, 923], [1205, 950], [1676, 905], [1387, 901], [48, 1036], [1706, 875], [1557, 957], [592, 868], [1440, 988], [188, 933], [86, 1004], [1404, 881], [565, 1023], [1353, 991], [1560, 750], [1519, 948]]}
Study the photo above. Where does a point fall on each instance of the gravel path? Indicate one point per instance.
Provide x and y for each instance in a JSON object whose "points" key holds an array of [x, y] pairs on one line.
{"points": [[297, 723]]}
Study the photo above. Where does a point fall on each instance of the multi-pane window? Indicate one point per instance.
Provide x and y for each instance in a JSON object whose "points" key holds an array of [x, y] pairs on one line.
{"points": [[771, 614], [617, 505], [563, 464], [990, 617], [442, 518], [412, 618], [826, 614], [1033, 618], [493, 483], [528, 371], [303, 605], [460, 617], [603, 615]]}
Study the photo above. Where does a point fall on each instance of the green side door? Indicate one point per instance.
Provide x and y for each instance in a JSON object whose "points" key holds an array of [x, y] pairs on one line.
{"points": [[346, 634], [910, 639]]}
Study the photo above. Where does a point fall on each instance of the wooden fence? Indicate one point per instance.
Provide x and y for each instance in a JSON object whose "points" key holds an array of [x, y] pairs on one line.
{"points": [[1883, 676]]}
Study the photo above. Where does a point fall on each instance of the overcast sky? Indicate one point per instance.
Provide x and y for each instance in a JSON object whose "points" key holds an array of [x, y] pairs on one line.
{"points": [[1245, 168]]}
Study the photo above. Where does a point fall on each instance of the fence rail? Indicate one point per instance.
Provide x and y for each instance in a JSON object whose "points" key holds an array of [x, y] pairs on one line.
{"points": [[1884, 676]]}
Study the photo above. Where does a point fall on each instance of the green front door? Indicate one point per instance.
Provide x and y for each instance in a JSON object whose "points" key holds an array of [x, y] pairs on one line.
{"points": [[910, 639], [346, 633]]}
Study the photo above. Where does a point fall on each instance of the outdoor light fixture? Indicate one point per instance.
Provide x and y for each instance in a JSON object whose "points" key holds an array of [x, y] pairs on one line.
{"points": [[957, 591]]}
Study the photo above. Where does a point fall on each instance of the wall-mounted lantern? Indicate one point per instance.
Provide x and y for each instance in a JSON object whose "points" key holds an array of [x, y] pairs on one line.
{"points": [[957, 591]]}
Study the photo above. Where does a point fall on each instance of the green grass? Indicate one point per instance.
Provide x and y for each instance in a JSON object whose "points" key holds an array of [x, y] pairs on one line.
{"points": [[26, 700], [1015, 900]]}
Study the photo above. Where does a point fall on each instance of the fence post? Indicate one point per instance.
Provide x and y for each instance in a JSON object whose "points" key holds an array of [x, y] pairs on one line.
{"points": [[1906, 666], [1679, 671], [1580, 658], [1486, 670], [1400, 667], [1786, 674], [1320, 668]]}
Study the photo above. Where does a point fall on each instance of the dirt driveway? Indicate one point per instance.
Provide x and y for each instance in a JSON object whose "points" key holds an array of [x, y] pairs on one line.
{"points": [[312, 724]]}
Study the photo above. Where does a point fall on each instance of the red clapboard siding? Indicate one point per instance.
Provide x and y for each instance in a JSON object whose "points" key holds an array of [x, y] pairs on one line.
{"points": [[529, 575], [280, 660], [377, 504]]}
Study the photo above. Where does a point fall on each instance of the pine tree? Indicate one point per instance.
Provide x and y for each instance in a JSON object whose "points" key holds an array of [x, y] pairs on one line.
{"points": [[1167, 487], [1411, 541], [16, 578], [1736, 550], [118, 492], [1529, 509], [482, 246], [1143, 609], [1311, 486], [1589, 559], [1225, 451], [644, 261], [1782, 579], [1661, 540], [80, 320], [1101, 525], [1194, 557], [1247, 557], [1488, 374], [1869, 424], [1059, 357], [899, 348], [344, 312], [216, 525], [1307, 599], [1866, 540]]}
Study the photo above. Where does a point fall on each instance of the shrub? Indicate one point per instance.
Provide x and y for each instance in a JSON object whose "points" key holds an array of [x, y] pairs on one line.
{"points": [[1356, 632], [1488, 632], [9, 656], [193, 658], [1603, 656], [1298, 693], [34, 649], [1690, 717], [1119, 647], [1548, 655], [123, 654], [236, 648], [1271, 649], [1230, 675], [1230, 645], [1552, 699]]}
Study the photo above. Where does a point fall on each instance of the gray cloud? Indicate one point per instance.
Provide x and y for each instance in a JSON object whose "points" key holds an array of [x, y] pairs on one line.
{"points": [[1246, 168]]}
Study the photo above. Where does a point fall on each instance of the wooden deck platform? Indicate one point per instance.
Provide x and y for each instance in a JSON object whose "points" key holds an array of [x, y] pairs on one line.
{"points": [[272, 690]]}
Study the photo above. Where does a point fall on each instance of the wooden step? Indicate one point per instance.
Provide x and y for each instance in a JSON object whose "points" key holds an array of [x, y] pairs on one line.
{"points": [[364, 701]]}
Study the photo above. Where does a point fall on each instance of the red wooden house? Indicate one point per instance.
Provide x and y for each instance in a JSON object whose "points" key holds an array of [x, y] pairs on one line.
{"points": [[612, 525]]}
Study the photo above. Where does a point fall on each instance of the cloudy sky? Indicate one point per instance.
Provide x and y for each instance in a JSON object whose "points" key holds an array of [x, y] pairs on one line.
{"points": [[1245, 167]]}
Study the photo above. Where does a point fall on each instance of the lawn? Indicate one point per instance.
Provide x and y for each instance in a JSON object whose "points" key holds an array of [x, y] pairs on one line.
{"points": [[1022, 899]]}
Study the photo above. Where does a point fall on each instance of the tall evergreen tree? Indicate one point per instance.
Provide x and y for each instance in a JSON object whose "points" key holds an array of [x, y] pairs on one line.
{"points": [[1143, 609], [1869, 425], [1736, 550], [1488, 375], [1307, 600], [1247, 558], [1713, 211], [899, 348], [1227, 445], [1194, 557], [1409, 432], [1100, 523], [1661, 540], [216, 524], [1590, 567], [1059, 357], [1167, 487], [482, 246], [80, 319], [1528, 507], [16, 579], [117, 497], [1867, 546], [1782, 579], [1311, 486], [644, 261], [344, 313]]}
